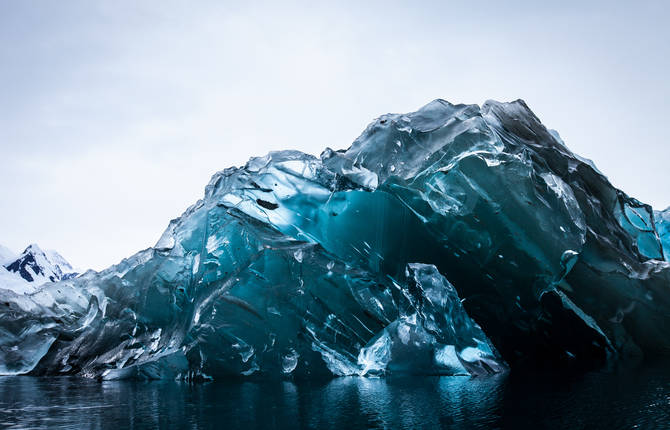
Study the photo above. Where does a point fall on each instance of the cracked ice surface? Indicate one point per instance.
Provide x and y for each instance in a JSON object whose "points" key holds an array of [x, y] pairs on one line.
{"points": [[450, 240]]}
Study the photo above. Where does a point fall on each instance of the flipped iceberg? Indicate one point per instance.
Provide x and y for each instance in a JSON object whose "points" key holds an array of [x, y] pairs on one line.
{"points": [[353, 263]]}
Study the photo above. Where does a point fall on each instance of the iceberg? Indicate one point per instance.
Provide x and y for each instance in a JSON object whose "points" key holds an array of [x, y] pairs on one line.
{"points": [[456, 239]]}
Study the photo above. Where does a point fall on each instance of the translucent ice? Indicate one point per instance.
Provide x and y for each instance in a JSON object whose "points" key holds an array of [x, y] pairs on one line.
{"points": [[439, 242], [433, 332], [663, 225]]}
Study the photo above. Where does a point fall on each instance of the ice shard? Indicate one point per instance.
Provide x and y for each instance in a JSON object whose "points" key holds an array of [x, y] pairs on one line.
{"points": [[449, 240]]}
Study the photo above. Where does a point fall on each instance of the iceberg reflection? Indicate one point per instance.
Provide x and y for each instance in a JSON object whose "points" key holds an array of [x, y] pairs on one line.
{"points": [[619, 398]]}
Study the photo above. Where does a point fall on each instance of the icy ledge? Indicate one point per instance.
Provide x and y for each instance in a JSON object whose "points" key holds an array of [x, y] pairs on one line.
{"points": [[373, 260]]}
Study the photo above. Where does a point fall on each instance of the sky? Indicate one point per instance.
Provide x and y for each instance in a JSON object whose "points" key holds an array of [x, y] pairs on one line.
{"points": [[115, 114]]}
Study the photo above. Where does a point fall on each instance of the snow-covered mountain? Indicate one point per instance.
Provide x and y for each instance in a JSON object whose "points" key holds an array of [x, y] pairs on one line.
{"points": [[32, 268]]}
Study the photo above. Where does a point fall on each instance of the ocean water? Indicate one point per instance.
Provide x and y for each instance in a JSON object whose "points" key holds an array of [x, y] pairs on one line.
{"points": [[623, 398]]}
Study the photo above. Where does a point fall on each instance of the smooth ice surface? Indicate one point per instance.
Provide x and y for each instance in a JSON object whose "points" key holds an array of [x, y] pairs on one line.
{"points": [[449, 240], [663, 225]]}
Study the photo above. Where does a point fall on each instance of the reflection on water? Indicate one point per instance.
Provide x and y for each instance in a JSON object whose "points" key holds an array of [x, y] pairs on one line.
{"points": [[615, 399]]}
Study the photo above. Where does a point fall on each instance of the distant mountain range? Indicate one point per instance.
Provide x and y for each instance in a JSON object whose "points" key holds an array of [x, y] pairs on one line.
{"points": [[25, 272]]}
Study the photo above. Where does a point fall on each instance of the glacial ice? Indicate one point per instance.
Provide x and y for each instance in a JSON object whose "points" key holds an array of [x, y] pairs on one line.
{"points": [[451, 240], [663, 225]]}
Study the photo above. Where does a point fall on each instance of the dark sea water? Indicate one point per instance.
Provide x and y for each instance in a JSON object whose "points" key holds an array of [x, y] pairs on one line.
{"points": [[608, 399]]}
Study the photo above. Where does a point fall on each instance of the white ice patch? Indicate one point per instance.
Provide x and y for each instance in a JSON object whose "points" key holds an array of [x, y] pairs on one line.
{"points": [[290, 361], [373, 359], [446, 357]]}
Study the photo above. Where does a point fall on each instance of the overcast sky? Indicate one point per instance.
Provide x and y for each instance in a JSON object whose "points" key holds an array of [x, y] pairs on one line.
{"points": [[114, 114]]}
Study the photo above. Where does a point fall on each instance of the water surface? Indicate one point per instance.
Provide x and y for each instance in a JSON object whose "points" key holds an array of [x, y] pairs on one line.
{"points": [[625, 398]]}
